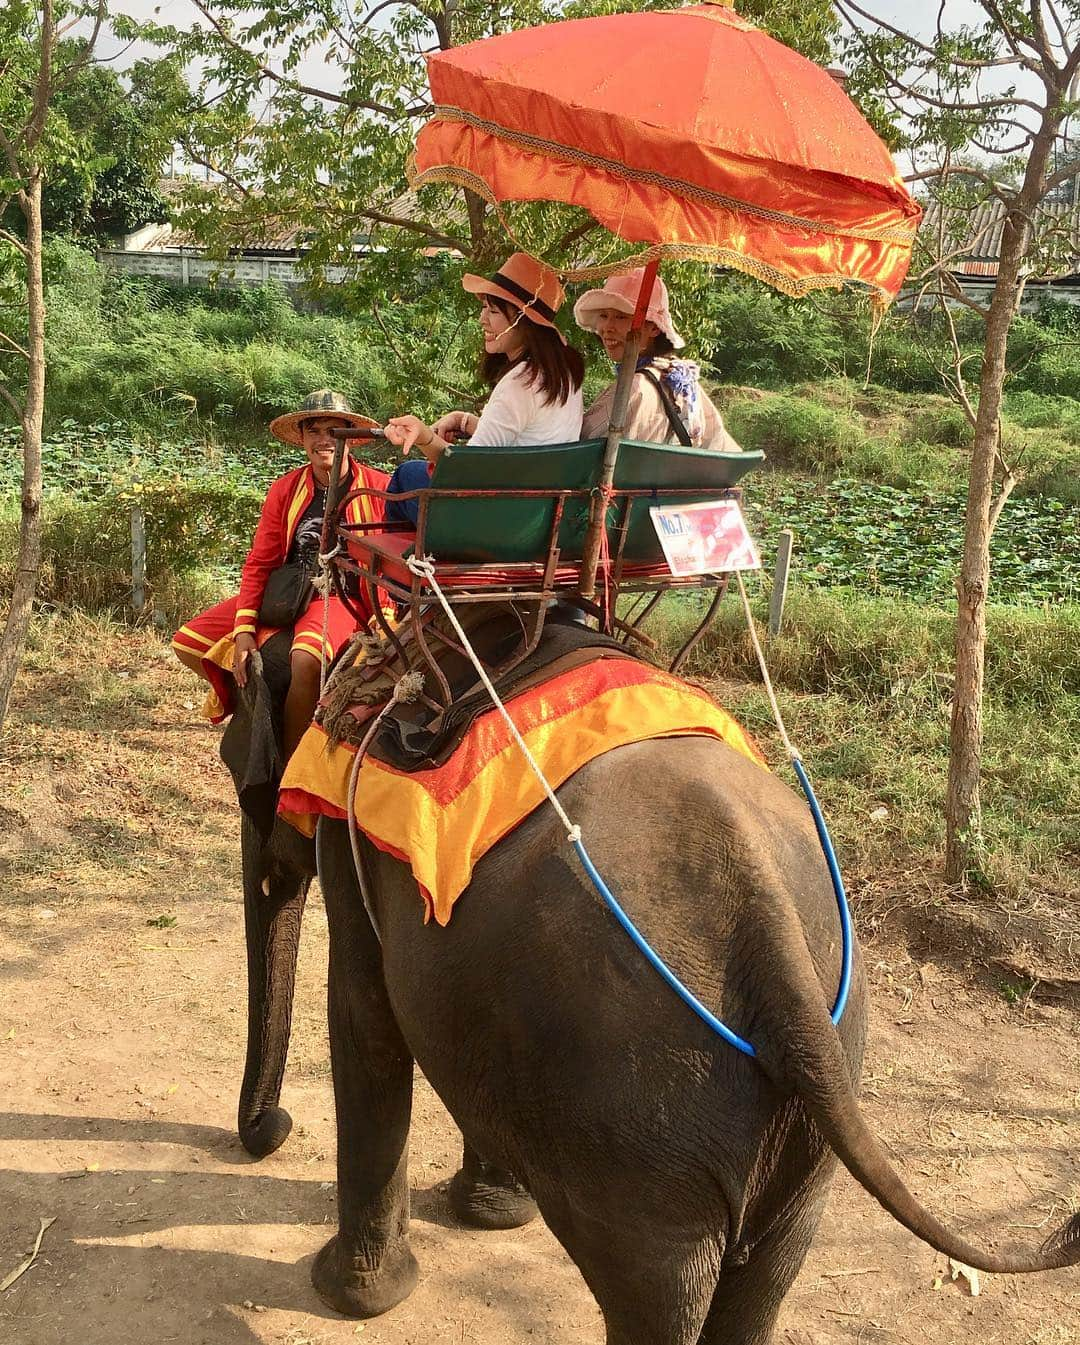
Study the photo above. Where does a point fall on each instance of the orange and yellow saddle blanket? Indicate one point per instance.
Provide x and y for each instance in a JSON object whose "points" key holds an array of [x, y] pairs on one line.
{"points": [[442, 821]]}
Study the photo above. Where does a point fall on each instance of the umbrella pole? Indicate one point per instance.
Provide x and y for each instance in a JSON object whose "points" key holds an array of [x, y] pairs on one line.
{"points": [[616, 429]]}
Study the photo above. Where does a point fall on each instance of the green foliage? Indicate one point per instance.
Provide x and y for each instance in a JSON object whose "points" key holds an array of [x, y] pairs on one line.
{"points": [[334, 164], [795, 432], [864, 686], [127, 149], [146, 354]]}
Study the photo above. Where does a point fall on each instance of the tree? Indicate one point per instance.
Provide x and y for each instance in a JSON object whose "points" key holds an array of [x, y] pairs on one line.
{"points": [[328, 156], [983, 111], [115, 189], [33, 141]]}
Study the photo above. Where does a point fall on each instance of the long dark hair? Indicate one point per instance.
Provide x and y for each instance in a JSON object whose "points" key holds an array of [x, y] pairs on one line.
{"points": [[557, 370], [658, 346]]}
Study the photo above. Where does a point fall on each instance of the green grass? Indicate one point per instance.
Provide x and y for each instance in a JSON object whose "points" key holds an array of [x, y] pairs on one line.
{"points": [[864, 687]]}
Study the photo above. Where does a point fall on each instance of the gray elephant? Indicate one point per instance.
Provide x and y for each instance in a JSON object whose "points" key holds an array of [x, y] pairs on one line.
{"points": [[685, 1179]]}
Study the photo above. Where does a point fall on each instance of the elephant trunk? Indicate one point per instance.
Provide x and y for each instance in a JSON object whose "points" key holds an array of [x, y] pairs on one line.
{"points": [[272, 919]]}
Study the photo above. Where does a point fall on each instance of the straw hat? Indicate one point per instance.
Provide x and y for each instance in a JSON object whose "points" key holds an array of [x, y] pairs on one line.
{"points": [[314, 407], [621, 293], [527, 284]]}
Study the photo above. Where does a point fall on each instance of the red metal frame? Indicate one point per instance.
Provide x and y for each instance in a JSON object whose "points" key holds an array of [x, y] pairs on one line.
{"points": [[524, 582]]}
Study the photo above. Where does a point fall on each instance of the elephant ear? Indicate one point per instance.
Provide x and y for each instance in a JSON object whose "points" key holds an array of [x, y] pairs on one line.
{"points": [[251, 743]]}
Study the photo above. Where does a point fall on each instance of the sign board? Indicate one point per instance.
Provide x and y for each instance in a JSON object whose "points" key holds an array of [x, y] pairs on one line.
{"points": [[709, 538]]}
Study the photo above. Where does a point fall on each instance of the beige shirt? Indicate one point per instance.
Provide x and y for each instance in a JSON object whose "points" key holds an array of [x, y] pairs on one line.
{"points": [[647, 419]]}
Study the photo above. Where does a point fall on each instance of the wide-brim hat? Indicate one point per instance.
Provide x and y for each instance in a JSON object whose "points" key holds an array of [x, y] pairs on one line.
{"points": [[621, 293], [314, 407], [528, 284]]}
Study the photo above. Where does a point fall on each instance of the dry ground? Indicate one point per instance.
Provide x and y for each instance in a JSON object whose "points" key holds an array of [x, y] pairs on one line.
{"points": [[121, 1038]]}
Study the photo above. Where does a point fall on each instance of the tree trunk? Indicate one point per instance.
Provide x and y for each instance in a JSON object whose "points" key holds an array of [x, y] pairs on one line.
{"points": [[29, 559], [964, 850]]}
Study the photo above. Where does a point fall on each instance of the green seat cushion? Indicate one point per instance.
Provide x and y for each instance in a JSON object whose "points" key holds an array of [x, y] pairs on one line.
{"points": [[505, 530]]}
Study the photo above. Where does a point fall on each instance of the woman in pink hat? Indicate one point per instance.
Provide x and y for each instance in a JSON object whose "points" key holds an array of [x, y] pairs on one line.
{"points": [[535, 377], [667, 401]]}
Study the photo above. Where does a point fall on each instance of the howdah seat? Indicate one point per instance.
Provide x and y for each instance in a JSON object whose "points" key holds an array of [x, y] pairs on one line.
{"points": [[511, 522]]}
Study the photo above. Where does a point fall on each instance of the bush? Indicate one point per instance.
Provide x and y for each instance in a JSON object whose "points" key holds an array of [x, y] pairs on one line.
{"points": [[795, 432], [942, 422], [192, 528]]}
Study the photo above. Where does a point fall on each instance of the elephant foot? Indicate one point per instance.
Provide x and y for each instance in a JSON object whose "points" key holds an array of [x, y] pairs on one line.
{"points": [[364, 1293], [269, 1132], [484, 1196]]}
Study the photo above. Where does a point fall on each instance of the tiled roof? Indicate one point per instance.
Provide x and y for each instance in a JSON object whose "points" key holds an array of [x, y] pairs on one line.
{"points": [[275, 235], [977, 236]]}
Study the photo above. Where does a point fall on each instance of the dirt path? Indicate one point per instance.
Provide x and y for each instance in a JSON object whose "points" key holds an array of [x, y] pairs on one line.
{"points": [[121, 1035]]}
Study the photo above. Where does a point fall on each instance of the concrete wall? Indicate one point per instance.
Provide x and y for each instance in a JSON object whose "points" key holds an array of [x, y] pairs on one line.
{"points": [[185, 269]]}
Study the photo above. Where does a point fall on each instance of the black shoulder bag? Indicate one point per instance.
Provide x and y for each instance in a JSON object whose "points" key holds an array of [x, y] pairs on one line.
{"points": [[668, 402], [289, 589]]}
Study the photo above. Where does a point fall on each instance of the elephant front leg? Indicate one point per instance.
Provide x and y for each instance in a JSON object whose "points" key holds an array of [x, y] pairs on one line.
{"points": [[367, 1267], [483, 1195], [272, 922]]}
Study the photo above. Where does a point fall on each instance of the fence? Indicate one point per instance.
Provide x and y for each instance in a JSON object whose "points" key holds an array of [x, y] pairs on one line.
{"points": [[183, 268]]}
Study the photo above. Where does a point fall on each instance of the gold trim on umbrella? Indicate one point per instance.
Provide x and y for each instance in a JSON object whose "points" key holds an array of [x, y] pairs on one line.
{"points": [[794, 287], [895, 233]]}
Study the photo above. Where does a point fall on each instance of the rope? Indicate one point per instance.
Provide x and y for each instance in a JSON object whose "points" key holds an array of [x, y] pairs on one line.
{"points": [[846, 932], [426, 570], [407, 688], [324, 586]]}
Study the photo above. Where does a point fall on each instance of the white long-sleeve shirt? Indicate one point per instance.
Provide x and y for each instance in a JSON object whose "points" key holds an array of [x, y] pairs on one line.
{"points": [[516, 413]]}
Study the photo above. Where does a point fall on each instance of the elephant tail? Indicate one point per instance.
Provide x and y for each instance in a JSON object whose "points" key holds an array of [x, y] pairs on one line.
{"points": [[811, 1059]]}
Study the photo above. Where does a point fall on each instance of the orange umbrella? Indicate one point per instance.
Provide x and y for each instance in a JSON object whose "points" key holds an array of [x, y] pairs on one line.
{"points": [[690, 131]]}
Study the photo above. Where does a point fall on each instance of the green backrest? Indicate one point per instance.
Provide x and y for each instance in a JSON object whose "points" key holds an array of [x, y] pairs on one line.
{"points": [[645, 466], [509, 530]]}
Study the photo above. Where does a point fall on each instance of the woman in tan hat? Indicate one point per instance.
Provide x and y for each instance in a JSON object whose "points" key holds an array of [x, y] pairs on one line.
{"points": [[534, 375], [667, 401], [218, 643]]}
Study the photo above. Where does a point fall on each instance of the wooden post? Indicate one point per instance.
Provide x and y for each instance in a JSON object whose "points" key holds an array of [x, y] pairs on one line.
{"points": [[138, 559], [780, 580], [590, 555]]}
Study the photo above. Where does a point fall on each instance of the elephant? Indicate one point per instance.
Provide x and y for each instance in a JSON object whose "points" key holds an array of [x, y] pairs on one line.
{"points": [[684, 1178], [277, 866]]}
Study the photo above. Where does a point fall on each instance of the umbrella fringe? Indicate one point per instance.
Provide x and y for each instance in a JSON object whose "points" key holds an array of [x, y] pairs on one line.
{"points": [[794, 287]]}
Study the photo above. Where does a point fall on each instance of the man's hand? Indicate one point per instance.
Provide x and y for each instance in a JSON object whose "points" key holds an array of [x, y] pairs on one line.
{"points": [[245, 647]]}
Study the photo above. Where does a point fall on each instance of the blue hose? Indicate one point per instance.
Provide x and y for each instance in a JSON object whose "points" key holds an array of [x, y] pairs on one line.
{"points": [[640, 942]]}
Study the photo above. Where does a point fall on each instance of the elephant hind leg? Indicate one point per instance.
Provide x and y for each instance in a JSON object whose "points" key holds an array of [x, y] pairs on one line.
{"points": [[748, 1295], [483, 1195], [652, 1286]]}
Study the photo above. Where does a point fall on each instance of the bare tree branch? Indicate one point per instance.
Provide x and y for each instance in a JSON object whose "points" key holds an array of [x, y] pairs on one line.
{"points": [[1058, 24], [436, 238], [1017, 59], [1055, 179], [956, 290], [368, 105], [15, 243], [72, 69], [12, 401], [19, 350], [224, 174]]}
